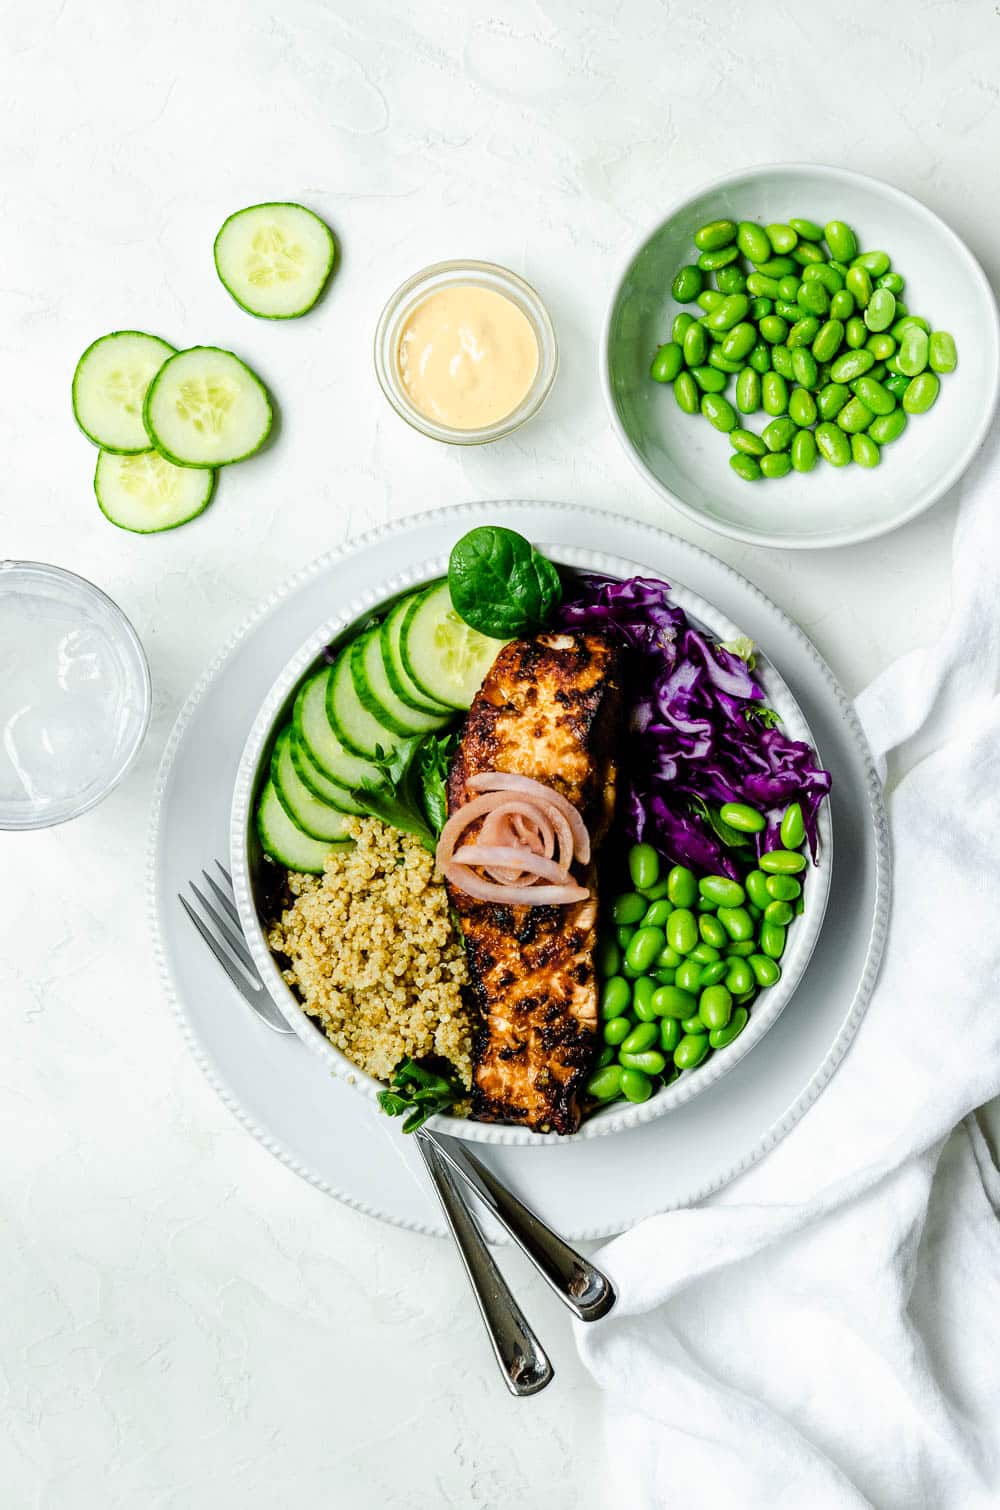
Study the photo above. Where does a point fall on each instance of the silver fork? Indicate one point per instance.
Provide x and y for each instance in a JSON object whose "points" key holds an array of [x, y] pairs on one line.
{"points": [[578, 1283]]}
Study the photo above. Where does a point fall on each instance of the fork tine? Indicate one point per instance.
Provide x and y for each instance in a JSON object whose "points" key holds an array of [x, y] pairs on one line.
{"points": [[223, 900], [228, 878], [237, 977], [233, 939]]}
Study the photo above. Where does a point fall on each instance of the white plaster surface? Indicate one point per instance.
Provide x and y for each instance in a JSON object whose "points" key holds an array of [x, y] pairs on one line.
{"points": [[183, 1323]]}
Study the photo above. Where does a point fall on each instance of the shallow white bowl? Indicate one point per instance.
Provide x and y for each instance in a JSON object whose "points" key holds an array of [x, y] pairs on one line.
{"points": [[250, 867], [687, 461]]}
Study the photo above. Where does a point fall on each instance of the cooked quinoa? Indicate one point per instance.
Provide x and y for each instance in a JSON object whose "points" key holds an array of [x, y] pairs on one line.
{"points": [[375, 956]]}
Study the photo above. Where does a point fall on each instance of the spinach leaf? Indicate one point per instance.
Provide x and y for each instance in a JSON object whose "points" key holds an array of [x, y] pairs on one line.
{"points": [[500, 584]]}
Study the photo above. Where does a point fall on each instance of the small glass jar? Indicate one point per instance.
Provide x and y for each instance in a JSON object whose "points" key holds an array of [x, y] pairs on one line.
{"points": [[412, 293]]}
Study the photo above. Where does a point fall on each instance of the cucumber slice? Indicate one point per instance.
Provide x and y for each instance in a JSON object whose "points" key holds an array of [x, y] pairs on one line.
{"points": [[284, 841], [205, 408], [400, 681], [353, 724], [109, 386], [314, 780], [313, 730], [376, 695], [146, 494], [275, 259], [442, 653], [313, 816]]}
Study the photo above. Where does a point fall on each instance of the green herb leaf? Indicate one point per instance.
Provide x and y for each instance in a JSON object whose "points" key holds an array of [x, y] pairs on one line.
{"points": [[729, 836], [762, 714], [743, 647], [391, 1104], [420, 1093], [500, 584], [411, 792]]}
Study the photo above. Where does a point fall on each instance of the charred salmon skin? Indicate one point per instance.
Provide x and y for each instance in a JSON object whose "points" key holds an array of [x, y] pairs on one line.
{"points": [[549, 709]]}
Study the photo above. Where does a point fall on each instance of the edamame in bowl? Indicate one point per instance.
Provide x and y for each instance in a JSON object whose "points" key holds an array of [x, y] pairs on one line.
{"points": [[786, 322]]}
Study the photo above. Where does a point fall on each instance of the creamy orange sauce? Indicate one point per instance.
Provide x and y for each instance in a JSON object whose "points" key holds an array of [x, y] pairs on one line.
{"points": [[467, 356]]}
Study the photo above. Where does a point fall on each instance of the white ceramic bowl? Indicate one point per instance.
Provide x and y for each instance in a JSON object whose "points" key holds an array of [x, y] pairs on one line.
{"points": [[249, 866], [687, 461]]}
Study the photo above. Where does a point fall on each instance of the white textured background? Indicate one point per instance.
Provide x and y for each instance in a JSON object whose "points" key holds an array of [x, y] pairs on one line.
{"points": [[182, 1322]]}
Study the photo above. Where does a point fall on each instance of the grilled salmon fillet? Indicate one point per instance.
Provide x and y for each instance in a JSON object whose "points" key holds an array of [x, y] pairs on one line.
{"points": [[549, 708]]}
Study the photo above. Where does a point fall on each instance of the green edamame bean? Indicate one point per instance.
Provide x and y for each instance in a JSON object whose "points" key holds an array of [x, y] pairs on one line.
{"points": [[881, 311], [766, 971], [756, 888], [731, 280], [737, 922], [712, 931], [670, 1034], [642, 998], [826, 275], [759, 307], [782, 237], [704, 952], [802, 409], [877, 372], [694, 1024], [782, 888], [682, 886], [803, 332], [747, 442], [853, 364], [667, 363], [721, 891], [748, 395], [746, 467], [779, 912], [876, 263], [715, 1006], [739, 342], [889, 427], [841, 240], [649, 1061], [763, 287], [686, 393], [914, 351], [782, 862], [873, 395], [859, 284], [894, 281], [712, 973], [826, 342], [842, 305], [624, 937], [709, 379], [772, 940], [773, 328], [718, 411], [656, 914], [775, 464], [711, 262], [643, 866], [855, 333], [744, 818], [788, 311], [691, 1051], [605, 1084], [715, 233], [942, 351], [831, 399], [897, 384], [682, 930], [778, 435], [607, 956], [616, 996], [753, 241], [721, 1038], [671, 1001], [695, 348], [606, 1056], [688, 975], [793, 829], [716, 359], [881, 345], [740, 950], [730, 312], [833, 446], [688, 284], [781, 361], [739, 976], [635, 1086], [667, 959], [760, 358], [906, 322], [788, 288], [644, 947], [616, 1030], [654, 893], [641, 1037], [682, 322], [805, 253], [627, 909], [774, 393], [921, 393], [807, 229], [804, 368], [814, 298]]}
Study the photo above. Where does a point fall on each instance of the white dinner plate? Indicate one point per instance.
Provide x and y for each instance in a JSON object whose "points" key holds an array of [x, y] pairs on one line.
{"points": [[328, 1134]]}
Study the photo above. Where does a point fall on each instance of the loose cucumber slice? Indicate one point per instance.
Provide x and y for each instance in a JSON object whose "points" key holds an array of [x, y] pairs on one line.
{"points": [[275, 259], [376, 695], [314, 780], [284, 841], [313, 816], [109, 386], [205, 408], [443, 655], [314, 730], [353, 724], [399, 679], [145, 493]]}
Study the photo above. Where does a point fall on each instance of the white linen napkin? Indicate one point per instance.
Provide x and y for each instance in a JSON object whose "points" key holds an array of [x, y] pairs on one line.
{"points": [[825, 1333]]}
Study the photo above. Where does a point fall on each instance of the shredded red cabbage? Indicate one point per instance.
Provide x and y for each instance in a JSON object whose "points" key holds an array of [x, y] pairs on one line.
{"points": [[701, 732]]}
